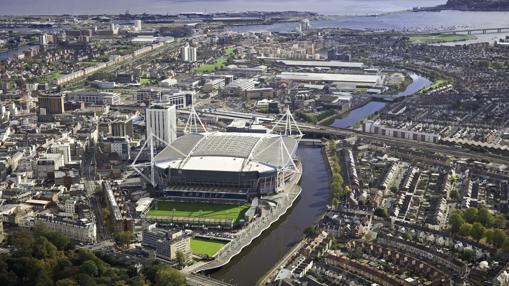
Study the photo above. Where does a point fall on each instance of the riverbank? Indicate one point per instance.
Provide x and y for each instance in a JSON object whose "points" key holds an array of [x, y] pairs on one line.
{"points": [[259, 257]]}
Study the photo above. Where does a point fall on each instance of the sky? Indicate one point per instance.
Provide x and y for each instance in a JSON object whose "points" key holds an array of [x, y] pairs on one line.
{"points": [[335, 7]]}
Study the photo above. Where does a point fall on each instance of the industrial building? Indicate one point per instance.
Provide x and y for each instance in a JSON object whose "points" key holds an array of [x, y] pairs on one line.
{"points": [[364, 80]]}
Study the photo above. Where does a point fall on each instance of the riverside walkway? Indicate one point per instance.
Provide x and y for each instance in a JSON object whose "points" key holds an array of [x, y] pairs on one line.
{"points": [[245, 237]]}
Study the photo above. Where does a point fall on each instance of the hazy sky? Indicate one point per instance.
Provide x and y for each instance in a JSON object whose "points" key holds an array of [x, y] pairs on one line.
{"points": [[338, 7]]}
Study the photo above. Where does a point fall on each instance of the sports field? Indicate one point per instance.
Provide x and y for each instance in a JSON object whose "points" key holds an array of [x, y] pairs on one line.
{"points": [[219, 62], [206, 246], [199, 210], [430, 39]]}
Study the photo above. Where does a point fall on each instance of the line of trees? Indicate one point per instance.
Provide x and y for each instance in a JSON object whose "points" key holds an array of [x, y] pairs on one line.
{"points": [[338, 191], [479, 224], [46, 258]]}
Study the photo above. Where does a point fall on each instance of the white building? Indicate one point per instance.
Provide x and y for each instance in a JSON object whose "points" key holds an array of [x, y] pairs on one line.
{"points": [[161, 120], [70, 206], [188, 54], [96, 98], [79, 230], [375, 127], [118, 145], [49, 163], [137, 25], [61, 148]]}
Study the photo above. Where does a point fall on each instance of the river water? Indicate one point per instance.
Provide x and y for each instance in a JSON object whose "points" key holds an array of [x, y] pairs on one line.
{"points": [[358, 114], [268, 249]]}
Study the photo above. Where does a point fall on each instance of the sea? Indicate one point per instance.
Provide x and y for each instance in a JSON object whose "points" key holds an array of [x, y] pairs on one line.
{"points": [[328, 7]]}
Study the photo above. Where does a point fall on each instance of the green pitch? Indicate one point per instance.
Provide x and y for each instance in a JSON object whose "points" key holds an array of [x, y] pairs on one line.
{"points": [[206, 246], [199, 210], [429, 39]]}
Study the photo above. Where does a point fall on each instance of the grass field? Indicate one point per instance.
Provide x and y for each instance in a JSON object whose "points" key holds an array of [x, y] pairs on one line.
{"points": [[199, 210], [206, 246], [218, 64], [430, 39]]}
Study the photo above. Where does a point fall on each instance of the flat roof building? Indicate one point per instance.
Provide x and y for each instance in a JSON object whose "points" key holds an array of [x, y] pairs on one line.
{"points": [[358, 79]]}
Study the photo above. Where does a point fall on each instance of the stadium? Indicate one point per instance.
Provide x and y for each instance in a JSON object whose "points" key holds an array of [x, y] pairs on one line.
{"points": [[226, 166]]}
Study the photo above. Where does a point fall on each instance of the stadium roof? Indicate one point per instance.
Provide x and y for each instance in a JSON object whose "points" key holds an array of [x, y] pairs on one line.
{"points": [[235, 152]]}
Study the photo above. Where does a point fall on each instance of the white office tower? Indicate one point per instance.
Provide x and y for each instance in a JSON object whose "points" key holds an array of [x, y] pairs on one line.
{"points": [[304, 25], [114, 28], [137, 25], [44, 39], [188, 53], [161, 121]]}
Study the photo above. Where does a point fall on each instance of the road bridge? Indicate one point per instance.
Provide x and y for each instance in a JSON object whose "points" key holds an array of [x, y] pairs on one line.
{"points": [[476, 31]]}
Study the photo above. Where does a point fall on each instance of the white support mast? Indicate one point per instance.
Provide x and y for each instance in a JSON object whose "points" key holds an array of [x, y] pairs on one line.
{"points": [[194, 124], [149, 143], [291, 127]]}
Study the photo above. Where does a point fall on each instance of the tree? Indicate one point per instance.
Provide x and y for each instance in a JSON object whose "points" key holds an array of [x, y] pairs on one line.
{"points": [[454, 195], [465, 229], [58, 239], [484, 217], [477, 231], [456, 221], [167, 276], [499, 221], [181, 259], [89, 267], [489, 235], [124, 238], [22, 241], [309, 231], [470, 215], [499, 237], [468, 255], [335, 202], [379, 212], [42, 248], [407, 236]]}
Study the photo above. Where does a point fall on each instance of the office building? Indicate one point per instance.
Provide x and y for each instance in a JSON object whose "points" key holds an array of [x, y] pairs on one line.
{"points": [[137, 25], [96, 98], [122, 127], [117, 145], [161, 120], [188, 53], [167, 243], [51, 104]]}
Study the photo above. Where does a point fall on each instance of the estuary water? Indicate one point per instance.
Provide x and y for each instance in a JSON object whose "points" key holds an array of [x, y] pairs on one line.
{"points": [[400, 21], [330, 7]]}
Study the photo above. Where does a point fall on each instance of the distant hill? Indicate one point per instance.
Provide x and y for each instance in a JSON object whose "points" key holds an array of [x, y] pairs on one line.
{"points": [[477, 5]]}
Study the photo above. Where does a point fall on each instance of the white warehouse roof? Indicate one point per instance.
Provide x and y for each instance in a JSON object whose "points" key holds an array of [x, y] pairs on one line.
{"points": [[331, 77]]}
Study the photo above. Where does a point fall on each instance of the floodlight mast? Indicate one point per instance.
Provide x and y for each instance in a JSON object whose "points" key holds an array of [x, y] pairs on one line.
{"points": [[291, 127], [149, 143], [194, 123]]}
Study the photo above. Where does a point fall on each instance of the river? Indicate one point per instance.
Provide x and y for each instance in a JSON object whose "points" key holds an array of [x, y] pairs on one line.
{"points": [[356, 115], [268, 249]]}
